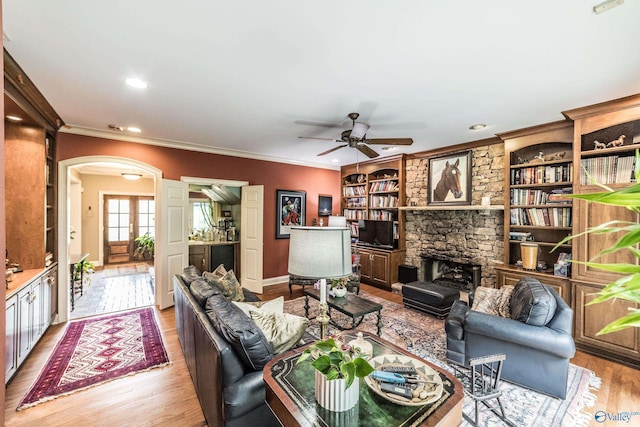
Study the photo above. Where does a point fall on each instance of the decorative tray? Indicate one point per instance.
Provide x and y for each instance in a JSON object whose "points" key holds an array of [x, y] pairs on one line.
{"points": [[432, 388]]}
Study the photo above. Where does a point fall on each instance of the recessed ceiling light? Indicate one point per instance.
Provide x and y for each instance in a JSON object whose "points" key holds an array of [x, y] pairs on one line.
{"points": [[134, 129], [335, 160], [14, 118], [388, 148], [137, 83], [478, 126]]}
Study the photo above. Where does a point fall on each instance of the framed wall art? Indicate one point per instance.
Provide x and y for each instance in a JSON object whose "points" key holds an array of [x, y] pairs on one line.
{"points": [[291, 211], [325, 204], [450, 179]]}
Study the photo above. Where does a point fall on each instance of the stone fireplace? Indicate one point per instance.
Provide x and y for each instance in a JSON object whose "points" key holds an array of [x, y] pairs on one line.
{"points": [[465, 236]]}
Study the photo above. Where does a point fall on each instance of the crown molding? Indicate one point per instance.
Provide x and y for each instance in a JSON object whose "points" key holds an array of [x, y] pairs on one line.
{"points": [[181, 145]]}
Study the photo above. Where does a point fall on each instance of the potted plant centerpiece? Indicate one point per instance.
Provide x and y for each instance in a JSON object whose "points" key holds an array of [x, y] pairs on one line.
{"points": [[337, 367], [339, 287]]}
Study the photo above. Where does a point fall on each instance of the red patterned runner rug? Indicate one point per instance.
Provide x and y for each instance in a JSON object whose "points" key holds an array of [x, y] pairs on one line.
{"points": [[97, 350]]}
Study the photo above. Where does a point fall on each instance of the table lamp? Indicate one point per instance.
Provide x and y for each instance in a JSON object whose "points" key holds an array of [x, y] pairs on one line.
{"points": [[320, 253]]}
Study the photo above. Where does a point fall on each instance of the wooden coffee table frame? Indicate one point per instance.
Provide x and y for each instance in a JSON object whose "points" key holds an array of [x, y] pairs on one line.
{"points": [[350, 305], [298, 408]]}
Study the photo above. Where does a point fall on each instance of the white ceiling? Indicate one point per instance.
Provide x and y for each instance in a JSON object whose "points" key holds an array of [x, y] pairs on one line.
{"points": [[243, 75]]}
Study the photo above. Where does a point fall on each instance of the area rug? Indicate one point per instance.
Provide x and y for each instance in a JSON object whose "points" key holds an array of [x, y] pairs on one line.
{"points": [[424, 336], [96, 350], [125, 269]]}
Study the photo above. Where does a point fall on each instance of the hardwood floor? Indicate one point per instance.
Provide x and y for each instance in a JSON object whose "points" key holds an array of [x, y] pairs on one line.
{"points": [[166, 396]]}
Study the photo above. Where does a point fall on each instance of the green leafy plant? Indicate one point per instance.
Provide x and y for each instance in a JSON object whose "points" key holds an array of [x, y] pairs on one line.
{"points": [[88, 268], [335, 360], [626, 287], [144, 244]]}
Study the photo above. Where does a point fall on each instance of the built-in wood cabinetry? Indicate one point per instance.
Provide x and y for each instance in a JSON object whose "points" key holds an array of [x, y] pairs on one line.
{"points": [[375, 190], [604, 137], [30, 308], [539, 173], [30, 213]]}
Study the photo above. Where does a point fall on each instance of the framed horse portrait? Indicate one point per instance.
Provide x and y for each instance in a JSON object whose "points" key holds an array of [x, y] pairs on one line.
{"points": [[291, 211], [450, 179]]}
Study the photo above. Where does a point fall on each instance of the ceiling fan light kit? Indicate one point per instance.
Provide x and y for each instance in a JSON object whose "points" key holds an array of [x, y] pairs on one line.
{"points": [[356, 137]]}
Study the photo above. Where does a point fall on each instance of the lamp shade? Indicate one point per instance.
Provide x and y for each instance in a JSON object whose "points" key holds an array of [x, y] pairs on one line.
{"points": [[320, 252]]}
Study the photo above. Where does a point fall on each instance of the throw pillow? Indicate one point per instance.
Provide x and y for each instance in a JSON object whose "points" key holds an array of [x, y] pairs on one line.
{"points": [[220, 271], [532, 302], [492, 301], [282, 330], [240, 331], [228, 285], [274, 306]]}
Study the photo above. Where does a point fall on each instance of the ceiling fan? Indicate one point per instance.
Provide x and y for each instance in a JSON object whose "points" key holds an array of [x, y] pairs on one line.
{"points": [[356, 137]]}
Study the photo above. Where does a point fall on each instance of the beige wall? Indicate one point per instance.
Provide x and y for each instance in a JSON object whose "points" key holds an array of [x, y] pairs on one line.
{"points": [[92, 185]]}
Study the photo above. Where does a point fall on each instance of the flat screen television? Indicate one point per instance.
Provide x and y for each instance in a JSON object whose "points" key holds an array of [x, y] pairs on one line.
{"points": [[375, 233]]}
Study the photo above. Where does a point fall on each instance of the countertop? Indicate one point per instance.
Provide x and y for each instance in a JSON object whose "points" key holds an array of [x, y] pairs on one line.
{"points": [[213, 243], [22, 278]]}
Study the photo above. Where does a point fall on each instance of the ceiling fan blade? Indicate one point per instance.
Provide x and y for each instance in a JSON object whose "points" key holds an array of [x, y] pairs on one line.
{"points": [[367, 151], [332, 150], [321, 124], [359, 130], [321, 139], [390, 141]]}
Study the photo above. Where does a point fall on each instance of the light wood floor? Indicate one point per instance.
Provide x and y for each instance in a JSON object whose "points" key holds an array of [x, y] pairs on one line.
{"points": [[166, 397]]}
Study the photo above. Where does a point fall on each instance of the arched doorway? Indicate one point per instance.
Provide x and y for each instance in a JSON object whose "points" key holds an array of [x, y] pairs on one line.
{"points": [[65, 214]]}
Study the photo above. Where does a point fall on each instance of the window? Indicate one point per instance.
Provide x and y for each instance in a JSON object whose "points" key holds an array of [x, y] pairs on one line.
{"points": [[146, 217], [118, 211]]}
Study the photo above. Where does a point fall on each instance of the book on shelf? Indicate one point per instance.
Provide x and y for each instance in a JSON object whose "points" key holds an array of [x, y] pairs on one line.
{"points": [[607, 170], [542, 174]]}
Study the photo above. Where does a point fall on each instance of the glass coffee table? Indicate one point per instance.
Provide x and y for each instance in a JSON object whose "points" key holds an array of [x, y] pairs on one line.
{"points": [[350, 305], [290, 393]]}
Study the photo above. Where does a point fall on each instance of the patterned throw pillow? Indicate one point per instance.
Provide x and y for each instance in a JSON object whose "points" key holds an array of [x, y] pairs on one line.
{"points": [[493, 301], [228, 285]]}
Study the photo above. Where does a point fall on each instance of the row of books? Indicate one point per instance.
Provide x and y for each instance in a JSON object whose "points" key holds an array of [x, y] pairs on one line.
{"points": [[381, 215], [607, 170], [357, 202], [541, 217], [542, 174], [387, 185], [354, 214], [526, 196], [359, 190], [383, 201], [48, 259]]}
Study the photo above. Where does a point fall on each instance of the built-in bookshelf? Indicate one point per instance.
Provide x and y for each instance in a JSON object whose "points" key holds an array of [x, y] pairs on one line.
{"points": [[539, 176]]}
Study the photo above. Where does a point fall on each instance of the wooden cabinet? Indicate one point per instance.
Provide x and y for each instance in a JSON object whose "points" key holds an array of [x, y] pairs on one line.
{"points": [[380, 267], [199, 257], [29, 311], [374, 190], [539, 174], [508, 276], [604, 137], [623, 346], [207, 257], [11, 337]]}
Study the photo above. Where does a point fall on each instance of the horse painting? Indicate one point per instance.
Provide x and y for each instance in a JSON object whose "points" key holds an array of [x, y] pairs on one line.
{"points": [[449, 182]]}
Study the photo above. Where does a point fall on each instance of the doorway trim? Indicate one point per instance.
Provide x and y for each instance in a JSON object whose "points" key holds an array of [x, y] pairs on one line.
{"points": [[63, 219]]}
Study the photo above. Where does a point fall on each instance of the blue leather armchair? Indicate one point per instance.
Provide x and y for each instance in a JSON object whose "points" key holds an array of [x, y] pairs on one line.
{"points": [[537, 356]]}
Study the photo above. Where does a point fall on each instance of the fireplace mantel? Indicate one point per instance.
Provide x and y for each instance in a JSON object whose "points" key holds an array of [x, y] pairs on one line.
{"points": [[453, 208]]}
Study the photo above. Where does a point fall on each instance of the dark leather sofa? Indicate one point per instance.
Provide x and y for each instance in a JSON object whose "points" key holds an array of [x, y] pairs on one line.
{"points": [[230, 393], [537, 355]]}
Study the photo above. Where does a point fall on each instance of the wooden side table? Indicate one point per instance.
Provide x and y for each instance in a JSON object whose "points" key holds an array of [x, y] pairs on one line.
{"points": [[291, 396]]}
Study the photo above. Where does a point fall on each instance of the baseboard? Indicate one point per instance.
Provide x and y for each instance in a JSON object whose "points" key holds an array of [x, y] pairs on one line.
{"points": [[275, 280]]}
